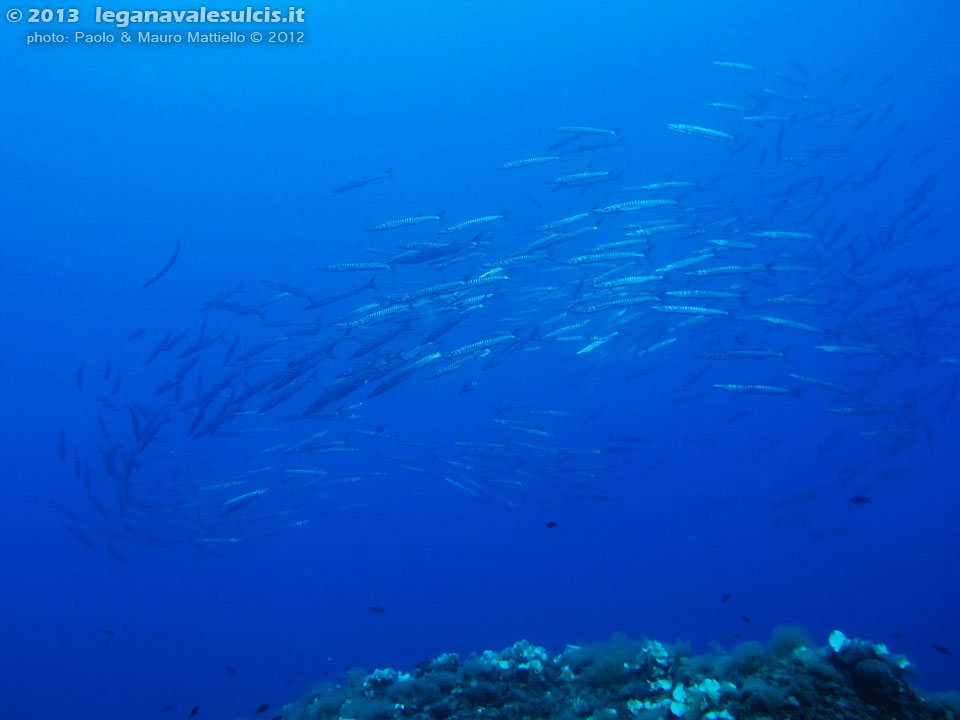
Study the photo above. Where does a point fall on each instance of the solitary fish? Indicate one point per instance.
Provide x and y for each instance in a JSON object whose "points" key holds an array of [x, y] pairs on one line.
{"points": [[585, 130], [734, 65], [163, 271], [366, 180]]}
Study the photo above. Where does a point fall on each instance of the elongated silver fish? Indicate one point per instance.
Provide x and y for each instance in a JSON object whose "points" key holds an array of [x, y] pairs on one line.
{"points": [[526, 162], [624, 281], [597, 342], [470, 224], [796, 300], [784, 235], [825, 384], [690, 310], [556, 238], [706, 294], [480, 345], [760, 390], [686, 262], [584, 178], [585, 130], [658, 346], [734, 65], [728, 106], [701, 132], [406, 222], [633, 205], [555, 224], [613, 304], [603, 257], [784, 322], [669, 185], [354, 267], [731, 270], [850, 349], [745, 354], [737, 244]]}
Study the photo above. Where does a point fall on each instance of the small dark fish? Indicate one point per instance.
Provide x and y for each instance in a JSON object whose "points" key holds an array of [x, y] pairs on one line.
{"points": [[377, 609], [262, 709], [551, 524], [881, 83], [726, 597], [166, 708], [859, 500], [109, 633], [941, 649], [163, 271], [230, 671], [196, 709], [134, 334], [745, 618]]}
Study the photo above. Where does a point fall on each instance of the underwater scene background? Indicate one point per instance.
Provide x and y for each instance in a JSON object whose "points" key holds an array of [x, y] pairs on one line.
{"points": [[721, 399]]}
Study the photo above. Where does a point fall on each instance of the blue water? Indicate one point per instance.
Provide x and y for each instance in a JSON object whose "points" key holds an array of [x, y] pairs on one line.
{"points": [[113, 153]]}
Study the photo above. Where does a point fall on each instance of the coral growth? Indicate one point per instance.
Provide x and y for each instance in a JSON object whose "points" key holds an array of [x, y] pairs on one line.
{"points": [[623, 679]]}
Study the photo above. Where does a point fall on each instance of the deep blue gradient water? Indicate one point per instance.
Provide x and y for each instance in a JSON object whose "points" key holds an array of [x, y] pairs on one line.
{"points": [[111, 154]]}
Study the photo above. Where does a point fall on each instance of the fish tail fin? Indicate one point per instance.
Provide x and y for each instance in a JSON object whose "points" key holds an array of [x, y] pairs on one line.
{"points": [[799, 392], [786, 354], [388, 173]]}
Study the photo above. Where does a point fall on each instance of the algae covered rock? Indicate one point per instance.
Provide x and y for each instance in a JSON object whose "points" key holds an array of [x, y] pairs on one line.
{"points": [[625, 679]]}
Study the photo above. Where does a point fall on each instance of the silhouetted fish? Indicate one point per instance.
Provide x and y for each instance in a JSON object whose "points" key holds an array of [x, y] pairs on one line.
{"points": [[163, 271]]}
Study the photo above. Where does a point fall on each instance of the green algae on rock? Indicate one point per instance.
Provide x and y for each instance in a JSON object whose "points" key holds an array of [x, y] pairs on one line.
{"points": [[624, 679]]}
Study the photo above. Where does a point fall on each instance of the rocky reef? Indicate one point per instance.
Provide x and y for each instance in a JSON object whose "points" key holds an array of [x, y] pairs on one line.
{"points": [[624, 679]]}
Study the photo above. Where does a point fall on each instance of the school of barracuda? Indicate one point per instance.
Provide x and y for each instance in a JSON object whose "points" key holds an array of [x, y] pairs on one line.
{"points": [[631, 273]]}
